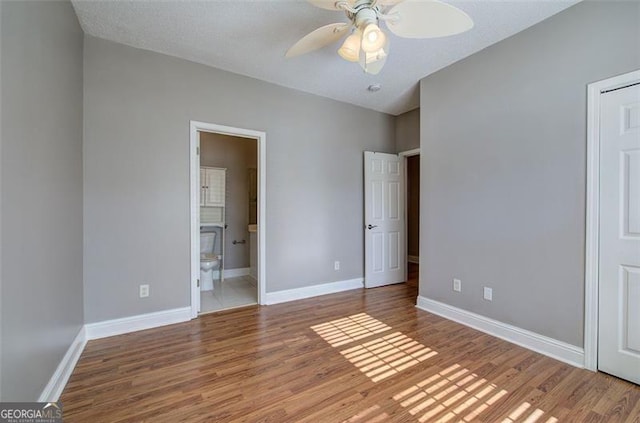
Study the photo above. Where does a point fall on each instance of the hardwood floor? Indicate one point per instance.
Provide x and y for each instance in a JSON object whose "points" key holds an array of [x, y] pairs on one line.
{"points": [[357, 356]]}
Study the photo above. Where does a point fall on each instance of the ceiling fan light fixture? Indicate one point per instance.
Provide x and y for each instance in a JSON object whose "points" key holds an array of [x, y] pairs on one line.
{"points": [[350, 49], [375, 56], [373, 62], [368, 44], [373, 39]]}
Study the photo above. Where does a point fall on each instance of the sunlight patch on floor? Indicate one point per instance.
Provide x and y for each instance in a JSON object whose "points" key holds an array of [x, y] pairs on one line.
{"points": [[370, 415], [348, 329], [457, 395], [519, 414], [454, 394], [453, 386], [385, 356]]}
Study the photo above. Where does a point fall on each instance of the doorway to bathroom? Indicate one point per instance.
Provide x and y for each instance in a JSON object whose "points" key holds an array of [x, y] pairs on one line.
{"points": [[227, 217]]}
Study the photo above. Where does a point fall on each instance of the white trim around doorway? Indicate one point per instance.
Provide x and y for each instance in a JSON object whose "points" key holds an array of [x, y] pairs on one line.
{"points": [[594, 91], [194, 176]]}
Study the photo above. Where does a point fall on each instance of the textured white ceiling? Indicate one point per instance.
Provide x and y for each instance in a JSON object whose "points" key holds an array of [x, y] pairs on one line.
{"points": [[251, 38]]}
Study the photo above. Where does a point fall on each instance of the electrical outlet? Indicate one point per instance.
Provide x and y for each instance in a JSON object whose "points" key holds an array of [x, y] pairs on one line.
{"points": [[144, 291], [336, 265], [488, 294], [457, 285]]}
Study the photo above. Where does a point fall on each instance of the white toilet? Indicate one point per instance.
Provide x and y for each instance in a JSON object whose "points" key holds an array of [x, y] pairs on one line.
{"points": [[208, 260]]}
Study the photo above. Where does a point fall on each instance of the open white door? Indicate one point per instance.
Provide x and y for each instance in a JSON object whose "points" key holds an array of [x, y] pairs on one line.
{"points": [[619, 263], [385, 256]]}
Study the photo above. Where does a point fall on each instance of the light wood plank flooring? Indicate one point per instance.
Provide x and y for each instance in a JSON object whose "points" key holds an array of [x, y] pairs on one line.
{"points": [[357, 356]]}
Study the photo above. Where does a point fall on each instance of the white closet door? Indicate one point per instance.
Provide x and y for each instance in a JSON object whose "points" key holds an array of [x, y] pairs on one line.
{"points": [[619, 262]]}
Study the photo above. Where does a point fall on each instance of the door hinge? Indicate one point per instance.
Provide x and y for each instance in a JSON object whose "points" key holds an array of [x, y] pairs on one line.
{"points": [[198, 151], [198, 283]]}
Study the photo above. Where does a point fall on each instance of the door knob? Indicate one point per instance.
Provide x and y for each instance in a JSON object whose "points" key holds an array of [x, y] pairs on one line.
{"points": [[371, 226]]}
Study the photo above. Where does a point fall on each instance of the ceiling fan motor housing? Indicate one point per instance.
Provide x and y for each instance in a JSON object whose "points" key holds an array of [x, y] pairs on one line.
{"points": [[364, 14]]}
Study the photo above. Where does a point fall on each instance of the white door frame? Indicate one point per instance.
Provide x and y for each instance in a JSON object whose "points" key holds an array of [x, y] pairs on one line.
{"points": [[405, 155], [592, 239], [194, 176]]}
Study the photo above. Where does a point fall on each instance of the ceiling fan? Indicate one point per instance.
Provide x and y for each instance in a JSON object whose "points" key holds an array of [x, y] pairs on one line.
{"points": [[367, 44]]}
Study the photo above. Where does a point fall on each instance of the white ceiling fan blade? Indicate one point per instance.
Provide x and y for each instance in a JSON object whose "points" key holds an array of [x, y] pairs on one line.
{"points": [[319, 38], [387, 3], [427, 19], [330, 4]]}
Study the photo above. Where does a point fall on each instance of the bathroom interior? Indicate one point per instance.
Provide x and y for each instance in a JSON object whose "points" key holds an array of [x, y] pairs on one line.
{"points": [[228, 222]]}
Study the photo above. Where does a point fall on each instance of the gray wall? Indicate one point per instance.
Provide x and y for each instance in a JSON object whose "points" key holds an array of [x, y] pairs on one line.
{"points": [[136, 207], [41, 191], [236, 155], [504, 155], [1, 397], [407, 137], [407, 130]]}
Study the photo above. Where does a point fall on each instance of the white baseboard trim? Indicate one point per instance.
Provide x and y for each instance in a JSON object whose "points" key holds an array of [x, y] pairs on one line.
{"points": [[312, 291], [58, 381], [135, 323], [234, 273], [553, 348], [413, 259]]}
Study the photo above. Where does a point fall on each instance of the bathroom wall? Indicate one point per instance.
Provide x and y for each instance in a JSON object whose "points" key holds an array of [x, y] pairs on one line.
{"points": [[236, 155], [136, 206], [41, 192]]}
